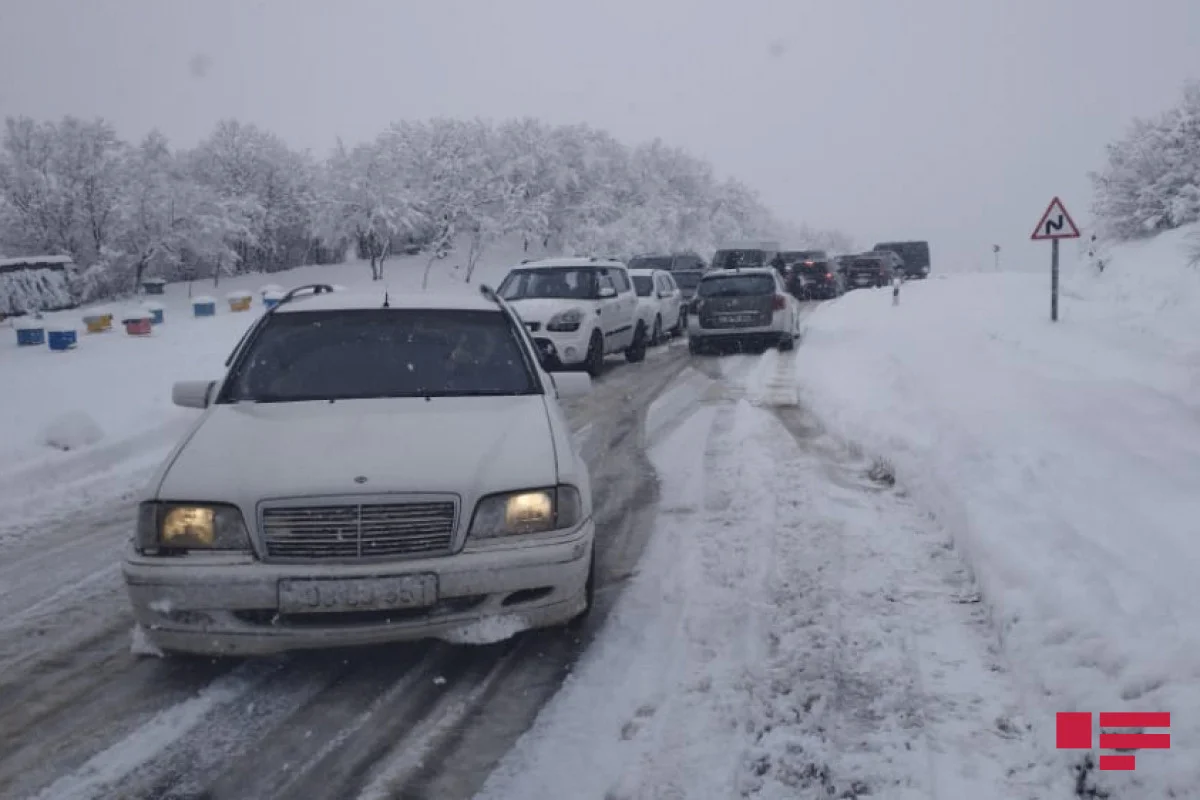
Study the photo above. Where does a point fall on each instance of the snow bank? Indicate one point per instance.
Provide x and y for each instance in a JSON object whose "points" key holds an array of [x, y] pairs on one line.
{"points": [[71, 431], [1064, 458]]}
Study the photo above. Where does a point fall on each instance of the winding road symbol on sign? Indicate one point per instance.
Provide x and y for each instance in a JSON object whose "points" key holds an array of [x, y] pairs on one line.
{"points": [[1056, 223]]}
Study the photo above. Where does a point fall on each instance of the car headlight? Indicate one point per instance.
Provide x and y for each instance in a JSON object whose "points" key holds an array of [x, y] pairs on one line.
{"points": [[566, 321], [532, 511], [168, 528]]}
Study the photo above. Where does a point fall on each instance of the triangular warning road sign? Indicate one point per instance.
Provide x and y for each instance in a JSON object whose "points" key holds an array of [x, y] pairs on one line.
{"points": [[1056, 223]]}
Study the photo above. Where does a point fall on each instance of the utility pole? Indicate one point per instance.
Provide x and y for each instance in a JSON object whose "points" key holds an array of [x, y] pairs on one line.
{"points": [[996, 253]]}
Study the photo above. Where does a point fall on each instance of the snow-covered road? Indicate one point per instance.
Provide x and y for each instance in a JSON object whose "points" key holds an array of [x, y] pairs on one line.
{"points": [[796, 630], [773, 623]]}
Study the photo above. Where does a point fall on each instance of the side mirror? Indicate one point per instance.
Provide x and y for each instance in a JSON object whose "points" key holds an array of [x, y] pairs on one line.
{"points": [[572, 384], [192, 394], [607, 292]]}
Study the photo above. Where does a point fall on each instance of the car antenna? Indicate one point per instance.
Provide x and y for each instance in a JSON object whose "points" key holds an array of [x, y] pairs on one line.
{"points": [[385, 299]]}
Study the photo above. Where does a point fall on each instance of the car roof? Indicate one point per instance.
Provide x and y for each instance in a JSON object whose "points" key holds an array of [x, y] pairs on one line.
{"points": [[547, 263], [718, 273], [362, 299]]}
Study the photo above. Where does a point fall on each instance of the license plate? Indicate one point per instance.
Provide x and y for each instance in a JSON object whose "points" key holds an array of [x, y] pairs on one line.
{"points": [[737, 317], [357, 594]]}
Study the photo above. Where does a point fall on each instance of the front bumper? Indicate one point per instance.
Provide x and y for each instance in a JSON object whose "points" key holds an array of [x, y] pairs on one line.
{"points": [[229, 605]]}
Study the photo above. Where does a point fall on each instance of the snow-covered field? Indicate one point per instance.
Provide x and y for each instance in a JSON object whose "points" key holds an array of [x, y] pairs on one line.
{"points": [[1063, 458]]}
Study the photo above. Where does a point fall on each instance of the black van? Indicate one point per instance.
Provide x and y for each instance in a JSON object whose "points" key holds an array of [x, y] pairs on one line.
{"points": [[915, 255]]}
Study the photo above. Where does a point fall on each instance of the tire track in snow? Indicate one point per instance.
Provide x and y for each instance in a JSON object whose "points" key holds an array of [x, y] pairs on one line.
{"points": [[885, 679], [97, 776]]}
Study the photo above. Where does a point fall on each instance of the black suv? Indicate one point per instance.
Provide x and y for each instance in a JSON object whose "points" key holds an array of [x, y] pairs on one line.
{"points": [[815, 279], [914, 255]]}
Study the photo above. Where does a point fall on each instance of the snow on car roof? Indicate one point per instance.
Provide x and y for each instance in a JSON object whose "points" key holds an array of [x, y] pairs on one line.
{"points": [[397, 298], [569, 262], [648, 271], [725, 273]]}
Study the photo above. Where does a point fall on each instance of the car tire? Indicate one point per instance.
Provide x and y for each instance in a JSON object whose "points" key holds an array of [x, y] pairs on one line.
{"points": [[657, 337], [787, 343], [593, 364], [637, 349], [694, 346], [589, 590]]}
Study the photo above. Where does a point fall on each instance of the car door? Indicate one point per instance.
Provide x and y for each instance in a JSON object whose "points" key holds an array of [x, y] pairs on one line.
{"points": [[627, 305], [671, 299]]}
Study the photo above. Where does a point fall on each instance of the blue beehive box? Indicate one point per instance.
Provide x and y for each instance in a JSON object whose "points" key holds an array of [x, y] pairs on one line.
{"points": [[204, 307], [62, 339], [271, 299], [31, 332], [155, 310]]}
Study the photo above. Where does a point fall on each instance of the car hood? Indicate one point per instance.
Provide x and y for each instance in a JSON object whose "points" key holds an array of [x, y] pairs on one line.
{"points": [[467, 445], [537, 309]]}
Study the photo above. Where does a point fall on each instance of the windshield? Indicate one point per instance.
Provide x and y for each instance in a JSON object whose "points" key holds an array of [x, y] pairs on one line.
{"points": [[372, 353], [643, 284], [729, 259], [687, 280], [736, 286], [577, 283], [793, 256], [651, 262]]}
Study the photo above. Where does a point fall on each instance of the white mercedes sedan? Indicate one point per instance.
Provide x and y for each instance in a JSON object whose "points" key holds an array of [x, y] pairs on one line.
{"points": [[370, 469]]}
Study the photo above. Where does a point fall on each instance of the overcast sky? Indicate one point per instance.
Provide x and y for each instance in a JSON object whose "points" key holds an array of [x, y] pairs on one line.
{"points": [[948, 120]]}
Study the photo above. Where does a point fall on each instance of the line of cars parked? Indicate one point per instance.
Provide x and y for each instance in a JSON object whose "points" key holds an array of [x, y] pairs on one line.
{"points": [[322, 537]]}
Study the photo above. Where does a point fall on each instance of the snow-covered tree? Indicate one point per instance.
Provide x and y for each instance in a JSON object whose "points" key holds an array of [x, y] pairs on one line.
{"points": [[1152, 179], [365, 198], [61, 184], [243, 200], [274, 187]]}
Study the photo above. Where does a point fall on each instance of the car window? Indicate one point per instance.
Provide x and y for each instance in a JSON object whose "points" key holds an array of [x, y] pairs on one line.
{"points": [[736, 285], [620, 279], [551, 282], [650, 262], [605, 281], [643, 285], [687, 280], [668, 283], [730, 259], [374, 353]]}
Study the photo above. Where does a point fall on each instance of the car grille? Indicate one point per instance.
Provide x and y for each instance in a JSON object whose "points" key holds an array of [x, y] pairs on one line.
{"points": [[369, 530]]}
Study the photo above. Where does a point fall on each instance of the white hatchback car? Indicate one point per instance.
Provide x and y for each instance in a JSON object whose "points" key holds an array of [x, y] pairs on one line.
{"points": [[578, 310], [660, 301], [746, 307], [370, 469]]}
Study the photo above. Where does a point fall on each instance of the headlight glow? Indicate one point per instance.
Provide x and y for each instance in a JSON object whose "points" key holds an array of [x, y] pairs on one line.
{"points": [[530, 511], [174, 528], [188, 525]]}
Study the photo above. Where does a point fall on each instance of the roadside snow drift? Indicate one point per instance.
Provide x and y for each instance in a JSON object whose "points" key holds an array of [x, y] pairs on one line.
{"points": [[1064, 459]]}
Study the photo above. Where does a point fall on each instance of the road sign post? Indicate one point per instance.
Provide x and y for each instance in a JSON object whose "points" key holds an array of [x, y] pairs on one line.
{"points": [[1055, 224]]}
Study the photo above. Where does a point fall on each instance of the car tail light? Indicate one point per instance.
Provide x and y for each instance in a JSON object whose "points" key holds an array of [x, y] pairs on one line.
{"points": [[780, 302], [829, 275]]}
